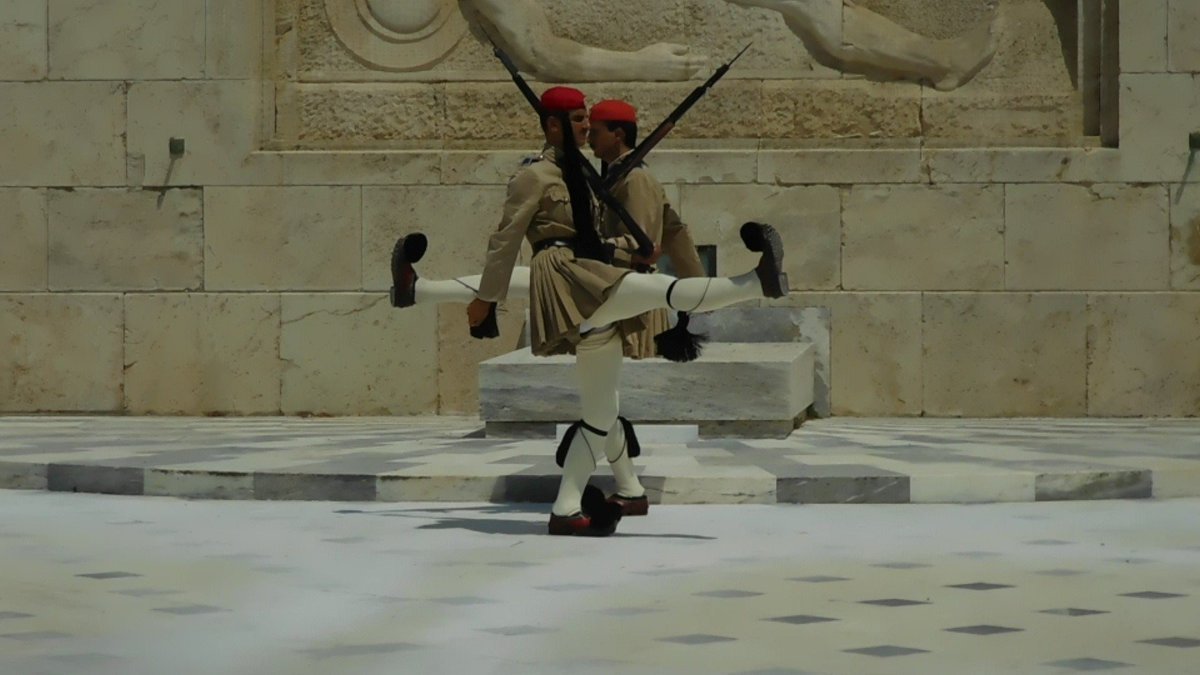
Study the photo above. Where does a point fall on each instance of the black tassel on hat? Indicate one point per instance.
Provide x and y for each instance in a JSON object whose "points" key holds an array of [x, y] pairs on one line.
{"points": [[678, 344]]}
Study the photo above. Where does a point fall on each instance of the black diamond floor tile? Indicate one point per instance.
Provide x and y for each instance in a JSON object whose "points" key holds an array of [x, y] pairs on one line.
{"points": [[728, 594], [979, 586], [1088, 664], [886, 651], [801, 619], [819, 579], [984, 629], [1173, 642], [1154, 595], [1073, 611], [893, 602], [697, 639]]}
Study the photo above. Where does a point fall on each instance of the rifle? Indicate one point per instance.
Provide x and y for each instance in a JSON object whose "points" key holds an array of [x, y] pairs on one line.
{"points": [[595, 182], [660, 132]]}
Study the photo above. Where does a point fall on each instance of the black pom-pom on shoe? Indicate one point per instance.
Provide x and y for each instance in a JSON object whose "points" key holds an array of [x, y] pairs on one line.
{"points": [[408, 250], [762, 238], [604, 514]]}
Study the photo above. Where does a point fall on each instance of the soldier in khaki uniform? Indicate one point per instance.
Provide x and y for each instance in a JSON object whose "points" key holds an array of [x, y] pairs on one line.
{"points": [[580, 304], [612, 136]]}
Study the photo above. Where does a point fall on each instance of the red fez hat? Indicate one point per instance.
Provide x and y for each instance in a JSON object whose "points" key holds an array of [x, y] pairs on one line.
{"points": [[562, 99], [613, 111]]}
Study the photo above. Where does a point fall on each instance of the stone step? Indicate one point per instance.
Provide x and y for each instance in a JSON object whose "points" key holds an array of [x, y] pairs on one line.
{"points": [[733, 389]]}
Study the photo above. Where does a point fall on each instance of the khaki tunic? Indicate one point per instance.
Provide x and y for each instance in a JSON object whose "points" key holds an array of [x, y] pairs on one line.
{"points": [[646, 201], [563, 290]]}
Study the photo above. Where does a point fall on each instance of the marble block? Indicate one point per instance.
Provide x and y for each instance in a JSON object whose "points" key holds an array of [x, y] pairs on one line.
{"points": [[749, 389]]}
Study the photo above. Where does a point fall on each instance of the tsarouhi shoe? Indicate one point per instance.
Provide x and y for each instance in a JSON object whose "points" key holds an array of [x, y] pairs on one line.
{"points": [[760, 237], [408, 250], [631, 506], [579, 525]]}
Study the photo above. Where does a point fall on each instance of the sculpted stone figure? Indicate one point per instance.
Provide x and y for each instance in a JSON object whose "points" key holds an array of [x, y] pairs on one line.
{"points": [[839, 33], [522, 29]]}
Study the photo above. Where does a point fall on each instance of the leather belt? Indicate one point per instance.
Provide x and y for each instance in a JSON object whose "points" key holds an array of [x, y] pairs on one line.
{"points": [[544, 244]]}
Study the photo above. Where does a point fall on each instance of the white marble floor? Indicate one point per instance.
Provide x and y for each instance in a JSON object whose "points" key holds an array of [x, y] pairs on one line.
{"points": [[123, 585]]}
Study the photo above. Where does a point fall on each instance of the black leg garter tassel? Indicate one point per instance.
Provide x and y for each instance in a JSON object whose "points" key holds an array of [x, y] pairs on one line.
{"points": [[678, 344], [560, 455], [632, 445]]}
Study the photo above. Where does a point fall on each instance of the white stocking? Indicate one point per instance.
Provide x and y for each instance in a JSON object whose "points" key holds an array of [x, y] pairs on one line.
{"points": [[463, 289], [617, 451], [640, 293], [598, 369]]}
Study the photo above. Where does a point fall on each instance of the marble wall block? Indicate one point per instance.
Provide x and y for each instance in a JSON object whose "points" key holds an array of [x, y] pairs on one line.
{"points": [[459, 354], [730, 382], [1157, 112], [1074, 237], [62, 133], [875, 351], [1183, 25], [233, 39], [23, 231], [219, 122], [1005, 354], [457, 220], [789, 164], [61, 353], [361, 168], [1144, 36], [132, 39], [353, 354], [924, 237], [204, 353], [810, 325], [485, 167], [23, 40], [282, 238], [1185, 238], [806, 217], [126, 240], [1023, 165], [1142, 355]]}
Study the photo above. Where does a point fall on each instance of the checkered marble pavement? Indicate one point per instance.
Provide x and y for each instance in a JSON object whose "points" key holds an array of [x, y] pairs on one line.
{"points": [[839, 460], [111, 585]]}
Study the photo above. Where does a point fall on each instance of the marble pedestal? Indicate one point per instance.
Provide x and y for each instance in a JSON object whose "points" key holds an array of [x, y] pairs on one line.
{"points": [[734, 389]]}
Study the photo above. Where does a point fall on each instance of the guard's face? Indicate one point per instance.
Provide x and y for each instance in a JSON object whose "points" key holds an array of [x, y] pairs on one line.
{"points": [[605, 143], [579, 126]]}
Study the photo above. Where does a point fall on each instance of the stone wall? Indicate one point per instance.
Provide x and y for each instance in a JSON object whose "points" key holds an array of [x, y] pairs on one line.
{"points": [[979, 254]]}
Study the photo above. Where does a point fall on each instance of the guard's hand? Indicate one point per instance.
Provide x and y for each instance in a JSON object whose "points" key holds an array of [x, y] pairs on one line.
{"points": [[478, 311], [639, 260]]}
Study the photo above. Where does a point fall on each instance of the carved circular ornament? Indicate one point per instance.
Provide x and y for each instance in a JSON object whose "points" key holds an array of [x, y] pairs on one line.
{"points": [[397, 35]]}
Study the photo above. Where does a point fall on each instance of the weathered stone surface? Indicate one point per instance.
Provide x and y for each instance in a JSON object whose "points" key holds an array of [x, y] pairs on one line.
{"points": [[1144, 36], [836, 109], [1142, 355], [459, 354], [349, 115], [23, 40], [1157, 111], [135, 39], [1023, 165], [984, 117], [353, 354], [1010, 354], [61, 353], [234, 39], [36, 121], [924, 238], [875, 350], [934, 19], [219, 121], [730, 381], [807, 218], [458, 221], [126, 240], [23, 231], [1183, 24], [1185, 238], [197, 354], [1103, 237], [283, 238]]}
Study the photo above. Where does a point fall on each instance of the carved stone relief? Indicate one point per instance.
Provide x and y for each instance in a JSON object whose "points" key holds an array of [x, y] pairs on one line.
{"points": [[397, 35]]}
